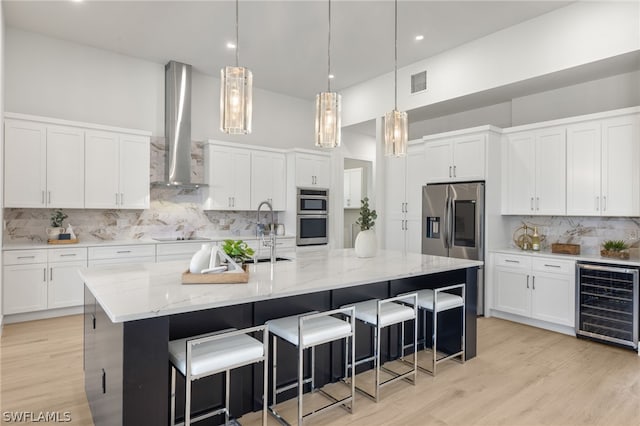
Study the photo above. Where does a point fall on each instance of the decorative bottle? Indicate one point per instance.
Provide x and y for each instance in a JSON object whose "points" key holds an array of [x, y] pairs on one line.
{"points": [[535, 240]]}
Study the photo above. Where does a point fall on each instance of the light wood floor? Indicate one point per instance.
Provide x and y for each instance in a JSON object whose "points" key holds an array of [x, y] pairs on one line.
{"points": [[522, 376]]}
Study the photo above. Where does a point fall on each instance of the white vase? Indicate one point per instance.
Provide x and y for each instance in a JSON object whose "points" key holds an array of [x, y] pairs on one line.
{"points": [[200, 260], [366, 244]]}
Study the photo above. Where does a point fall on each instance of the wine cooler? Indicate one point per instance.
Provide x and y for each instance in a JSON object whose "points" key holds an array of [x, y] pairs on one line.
{"points": [[607, 303]]}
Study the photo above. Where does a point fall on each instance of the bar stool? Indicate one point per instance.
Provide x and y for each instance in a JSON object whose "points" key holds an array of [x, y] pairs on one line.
{"points": [[208, 354], [380, 314], [306, 331], [436, 301]]}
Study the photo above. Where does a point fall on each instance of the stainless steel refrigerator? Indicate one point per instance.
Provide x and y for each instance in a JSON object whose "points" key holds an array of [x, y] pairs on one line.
{"points": [[453, 224]]}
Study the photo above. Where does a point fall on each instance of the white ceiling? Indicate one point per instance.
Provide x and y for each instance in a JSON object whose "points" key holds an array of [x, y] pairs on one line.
{"points": [[284, 43]]}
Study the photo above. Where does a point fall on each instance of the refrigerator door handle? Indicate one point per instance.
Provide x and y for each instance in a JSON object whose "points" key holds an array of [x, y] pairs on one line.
{"points": [[452, 215], [445, 230]]}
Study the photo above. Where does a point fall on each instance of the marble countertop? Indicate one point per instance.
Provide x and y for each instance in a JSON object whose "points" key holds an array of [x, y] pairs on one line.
{"points": [[132, 292], [141, 241], [634, 259]]}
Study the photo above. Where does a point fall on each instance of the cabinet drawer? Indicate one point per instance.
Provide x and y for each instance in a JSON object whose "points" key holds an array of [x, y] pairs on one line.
{"points": [[24, 257], [67, 254], [122, 252], [554, 266], [512, 261], [181, 248]]}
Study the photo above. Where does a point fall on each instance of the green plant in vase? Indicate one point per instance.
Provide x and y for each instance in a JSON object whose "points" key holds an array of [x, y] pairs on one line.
{"points": [[55, 220], [615, 248], [367, 217], [366, 243], [238, 250]]}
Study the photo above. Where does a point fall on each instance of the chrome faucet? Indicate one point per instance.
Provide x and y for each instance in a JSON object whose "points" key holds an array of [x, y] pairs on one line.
{"points": [[272, 234]]}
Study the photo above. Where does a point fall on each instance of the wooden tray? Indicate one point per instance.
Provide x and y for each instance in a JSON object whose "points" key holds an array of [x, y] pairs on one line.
{"points": [[74, 241], [223, 278], [565, 248]]}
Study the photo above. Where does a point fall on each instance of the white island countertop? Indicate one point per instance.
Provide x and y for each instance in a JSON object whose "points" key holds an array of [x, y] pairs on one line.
{"points": [[133, 292]]}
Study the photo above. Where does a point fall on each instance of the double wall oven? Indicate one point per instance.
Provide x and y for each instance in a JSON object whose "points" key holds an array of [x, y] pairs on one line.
{"points": [[313, 216]]}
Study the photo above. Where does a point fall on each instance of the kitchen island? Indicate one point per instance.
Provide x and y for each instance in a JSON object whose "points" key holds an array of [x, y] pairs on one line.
{"points": [[132, 311]]}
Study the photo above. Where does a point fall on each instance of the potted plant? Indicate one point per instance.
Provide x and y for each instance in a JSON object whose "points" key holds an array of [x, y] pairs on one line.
{"points": [[238, 250], [56, 219], [366, 244], [615, 248]]}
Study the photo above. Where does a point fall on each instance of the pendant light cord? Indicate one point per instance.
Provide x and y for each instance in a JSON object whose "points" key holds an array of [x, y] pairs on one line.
{"points": [[329, 53], [237, 38], [395, 75]]}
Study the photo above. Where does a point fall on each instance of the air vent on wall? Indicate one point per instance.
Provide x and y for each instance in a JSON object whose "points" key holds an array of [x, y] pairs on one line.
{"points": [[419, 82]]}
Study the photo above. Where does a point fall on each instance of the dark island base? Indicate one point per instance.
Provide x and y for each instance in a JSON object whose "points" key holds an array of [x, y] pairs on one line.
{"points": [[127, 375]]}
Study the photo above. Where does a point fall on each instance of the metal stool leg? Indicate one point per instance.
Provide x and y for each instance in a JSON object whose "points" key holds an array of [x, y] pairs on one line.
{"points": [[227, 379], [300, 382], [274, 380], [173, 396]]}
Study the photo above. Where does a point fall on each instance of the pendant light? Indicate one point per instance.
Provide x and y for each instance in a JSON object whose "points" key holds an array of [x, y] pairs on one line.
{"points": [[395, 122], [235, 95], [328, 105]]}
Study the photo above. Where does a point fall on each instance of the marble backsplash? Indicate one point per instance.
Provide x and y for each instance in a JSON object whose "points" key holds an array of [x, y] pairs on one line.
{"points": [[589, 232], [172, 213]]}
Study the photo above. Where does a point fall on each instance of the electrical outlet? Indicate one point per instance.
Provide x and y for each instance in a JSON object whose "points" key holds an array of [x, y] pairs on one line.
{"points": [[633, 234]]}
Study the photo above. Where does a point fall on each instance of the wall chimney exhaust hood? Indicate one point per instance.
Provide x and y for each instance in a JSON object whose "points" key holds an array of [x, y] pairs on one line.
{"points": [[177, 125]]}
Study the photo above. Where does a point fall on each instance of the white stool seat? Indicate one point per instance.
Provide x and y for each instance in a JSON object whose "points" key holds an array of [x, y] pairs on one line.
{"points": [[316, 330], [390, 313], [215, 355], [445, 300]]}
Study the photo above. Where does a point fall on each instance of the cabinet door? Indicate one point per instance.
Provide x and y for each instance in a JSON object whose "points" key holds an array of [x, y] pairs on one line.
{"points": [[24, 288], [553, 298], [102, 170], [25, 164], [352, 188], [469, 158], [415, 179], [583, 169], [278, 182], [135, 158], [346, 194], [305, 170], [219, 177], [394, 187], [241, 181], [413, 235], [261, 177], [519, 173], [438, 162], [322, 171], [65, 167], [550, 172], [511, 291], [394, 234], [621, 166], [65, 285]]}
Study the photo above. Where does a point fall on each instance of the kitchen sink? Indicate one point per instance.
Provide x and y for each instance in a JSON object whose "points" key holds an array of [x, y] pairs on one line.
{"points": [[181, 239], [268, 259]]}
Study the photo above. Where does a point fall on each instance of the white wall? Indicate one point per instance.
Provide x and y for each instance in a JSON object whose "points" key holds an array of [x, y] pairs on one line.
{"points": [[578, 34], [66, 80], [497, 115]]}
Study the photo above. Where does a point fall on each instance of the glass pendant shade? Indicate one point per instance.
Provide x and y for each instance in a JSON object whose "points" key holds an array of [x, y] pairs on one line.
{"points": [[235, 100], [328, 123], [395, 133]]}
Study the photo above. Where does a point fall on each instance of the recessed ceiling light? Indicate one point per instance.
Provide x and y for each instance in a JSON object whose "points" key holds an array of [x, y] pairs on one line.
{"points": [[331, 76], [419, 37], [231, 45]]}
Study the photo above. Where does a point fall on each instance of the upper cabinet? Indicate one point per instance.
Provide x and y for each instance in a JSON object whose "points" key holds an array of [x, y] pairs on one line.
{"points": [[534, 172], [118, 168], [44, 165], [352, 188], [603, 161], [455, 159], [268, 179], [228, 175], [312, 170]]}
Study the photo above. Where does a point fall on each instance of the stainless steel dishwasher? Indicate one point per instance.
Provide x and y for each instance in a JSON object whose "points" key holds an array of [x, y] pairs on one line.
{"points": [[607, 303]]}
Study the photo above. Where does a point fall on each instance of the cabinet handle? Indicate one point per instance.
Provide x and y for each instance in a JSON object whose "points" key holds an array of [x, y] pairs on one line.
{"points": [[552, 266], [604, 203], [26, 257], [406, 207], [93, 321], [511, 261], [533, 282], [454, 171], [49, 197], [123, 251], [42, 196], [68, 255], [527, 281], [597, 203], [537, 203], [44, 275], [121, 199], [531, 206], [104, 381], [50, 274], [450, 171], [233, 200]]}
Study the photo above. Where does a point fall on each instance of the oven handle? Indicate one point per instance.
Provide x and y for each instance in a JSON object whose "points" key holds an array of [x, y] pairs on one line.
{"points": [[312, 216]]}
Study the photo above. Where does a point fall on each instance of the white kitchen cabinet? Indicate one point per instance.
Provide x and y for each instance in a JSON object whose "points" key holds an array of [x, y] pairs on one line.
{"points": [[455, 159], [112, 255], [229, 178], [44, 165], [117, 170], [312, 170], [404, 178], [268, 179], [31, 283], [535, 179], [603, 162], [535, 287], [352, 188]]}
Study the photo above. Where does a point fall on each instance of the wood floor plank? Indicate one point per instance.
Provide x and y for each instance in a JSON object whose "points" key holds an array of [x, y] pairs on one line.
{"points": [[522, 376]]}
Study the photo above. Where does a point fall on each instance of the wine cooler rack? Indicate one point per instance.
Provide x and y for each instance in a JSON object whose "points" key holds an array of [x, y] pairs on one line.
{"points": [[607, 303]]}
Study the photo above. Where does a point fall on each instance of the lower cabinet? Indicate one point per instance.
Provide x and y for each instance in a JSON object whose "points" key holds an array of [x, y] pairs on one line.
{"points": [[535, 287]]}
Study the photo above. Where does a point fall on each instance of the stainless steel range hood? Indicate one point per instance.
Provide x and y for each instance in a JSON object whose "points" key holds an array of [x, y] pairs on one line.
{"points": [[177, 117]]}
